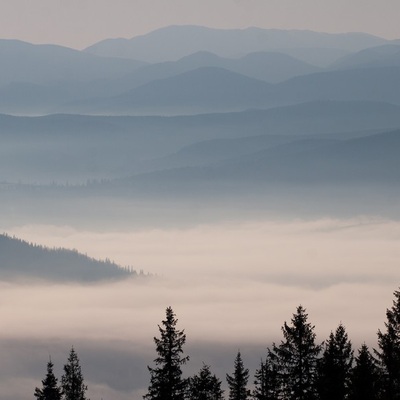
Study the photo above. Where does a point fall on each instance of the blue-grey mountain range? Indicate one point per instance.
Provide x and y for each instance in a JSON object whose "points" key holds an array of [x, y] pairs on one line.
{"points": [[174, 42], [45, 79], [75, 148], [192, 107]]}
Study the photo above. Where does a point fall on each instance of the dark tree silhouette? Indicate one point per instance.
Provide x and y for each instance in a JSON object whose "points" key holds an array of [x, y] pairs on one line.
{"points": [[237, 382], [166, 381], [296, 359], [72, 383], [205, 386], [364, 377], [389, 354], [266, 383], [335, 366], [50, 389]]}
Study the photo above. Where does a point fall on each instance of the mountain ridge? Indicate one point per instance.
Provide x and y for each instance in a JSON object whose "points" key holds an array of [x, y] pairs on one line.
{"points": [[21, 260], [226, 42]]}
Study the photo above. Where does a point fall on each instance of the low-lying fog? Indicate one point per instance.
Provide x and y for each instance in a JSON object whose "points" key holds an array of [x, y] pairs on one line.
{"points": [[232, 285]]}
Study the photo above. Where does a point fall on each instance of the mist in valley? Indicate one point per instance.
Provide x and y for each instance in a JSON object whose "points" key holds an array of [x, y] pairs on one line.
{"points": [[232, 285]]}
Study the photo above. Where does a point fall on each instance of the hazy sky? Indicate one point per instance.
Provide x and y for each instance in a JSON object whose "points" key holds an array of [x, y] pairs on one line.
{"points": [[79, 23]]}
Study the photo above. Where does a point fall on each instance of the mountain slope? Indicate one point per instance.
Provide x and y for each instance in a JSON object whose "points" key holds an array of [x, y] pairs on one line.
{"points": [[41, 64], [268, 66], [362, 84], [22, 260], [380, 56], [207, 89], [211, 89], [371, 160]]}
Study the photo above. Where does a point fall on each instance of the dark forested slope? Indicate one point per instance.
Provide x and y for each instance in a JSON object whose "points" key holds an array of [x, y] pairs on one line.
{"points": [[20, 260]]}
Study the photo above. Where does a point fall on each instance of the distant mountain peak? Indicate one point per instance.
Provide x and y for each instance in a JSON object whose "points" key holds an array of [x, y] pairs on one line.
{"points": [[171, 43]]}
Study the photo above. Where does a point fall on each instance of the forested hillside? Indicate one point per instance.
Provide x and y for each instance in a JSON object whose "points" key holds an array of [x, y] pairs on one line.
{"points": [[20, 260]]}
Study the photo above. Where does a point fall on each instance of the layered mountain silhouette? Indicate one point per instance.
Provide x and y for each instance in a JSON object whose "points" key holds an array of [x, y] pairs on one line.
{"points": [[211, 71], [72, 148], [211, 89], [206, 89], [370, 160], [195, 111], [174, 42], [75, 148]]}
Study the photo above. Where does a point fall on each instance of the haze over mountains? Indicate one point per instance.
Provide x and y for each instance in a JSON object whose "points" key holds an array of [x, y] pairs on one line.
{"points": [[241, 167], [104, 79], [69, 148], [172, 43], [189, 112], [231, 106]]}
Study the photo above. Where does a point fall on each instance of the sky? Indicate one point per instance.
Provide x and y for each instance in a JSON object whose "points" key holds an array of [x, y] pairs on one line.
{"points": [[80, 23]]}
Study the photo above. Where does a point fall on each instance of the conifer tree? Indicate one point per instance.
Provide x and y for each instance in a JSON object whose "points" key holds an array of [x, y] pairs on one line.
{"points": [[50, 389], [166, 381], [205, 386], [335, 366], [72, 383], [364, 376], [266, 381], [237, 382], [296, 359], [389, 354]]}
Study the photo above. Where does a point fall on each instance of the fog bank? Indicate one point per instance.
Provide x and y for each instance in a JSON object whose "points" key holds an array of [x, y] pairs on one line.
{"points": [[231, 285]]}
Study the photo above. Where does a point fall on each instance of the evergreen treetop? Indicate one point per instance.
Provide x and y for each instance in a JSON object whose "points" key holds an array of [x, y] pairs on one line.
{"points": [[335, 366], [166, 381], [237, 382], [296, 358], [205, 386], [364, 376], [50, 389], [72, 383]]}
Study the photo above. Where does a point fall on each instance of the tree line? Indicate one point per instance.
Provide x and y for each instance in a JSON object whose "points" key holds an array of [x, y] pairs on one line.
{"points": [[297, 368], [19, 258]]}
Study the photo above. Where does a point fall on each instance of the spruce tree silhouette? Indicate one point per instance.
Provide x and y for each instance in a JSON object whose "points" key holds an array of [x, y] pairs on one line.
{"points": [[266, 383], [50, 389], [166, 381], [205, 386], [335, 366], [364, 376], [389, 354], [72, 384], [237, 382], [296, 359]]}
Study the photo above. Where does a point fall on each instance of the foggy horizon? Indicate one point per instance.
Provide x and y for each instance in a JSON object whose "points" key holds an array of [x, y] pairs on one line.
{"points": [[78, 24]]}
